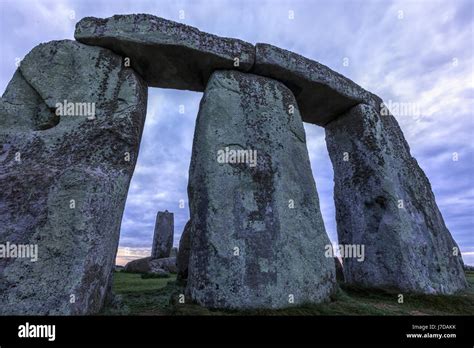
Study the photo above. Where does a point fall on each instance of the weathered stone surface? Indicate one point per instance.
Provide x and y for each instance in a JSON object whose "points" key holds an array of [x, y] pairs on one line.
{"points": [[168, 264], [151, 265], [174, 252], [237, 205], [167, 54], [321, 93], [163, 237], [384, 201], [66, 192], [183, 252], [339, 270], [139, 265]]}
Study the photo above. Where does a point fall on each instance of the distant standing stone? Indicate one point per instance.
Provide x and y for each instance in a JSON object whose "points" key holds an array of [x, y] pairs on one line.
{"points": [[163, 237]]}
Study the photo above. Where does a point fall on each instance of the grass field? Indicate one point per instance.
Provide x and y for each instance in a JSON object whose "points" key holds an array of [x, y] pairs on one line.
{"points": [[137, 296]]}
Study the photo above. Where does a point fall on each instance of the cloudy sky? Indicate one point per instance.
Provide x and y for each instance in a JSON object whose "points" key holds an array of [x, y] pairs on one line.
{"points": [[415, 52]]}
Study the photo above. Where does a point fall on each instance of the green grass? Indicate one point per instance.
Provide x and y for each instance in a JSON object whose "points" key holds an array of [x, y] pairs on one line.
{"points": [[133, 282], [159, 297], [138, 296]]}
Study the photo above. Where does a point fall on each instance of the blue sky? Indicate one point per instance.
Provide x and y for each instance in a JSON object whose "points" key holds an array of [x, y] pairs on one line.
{"points": [[415, 52]]}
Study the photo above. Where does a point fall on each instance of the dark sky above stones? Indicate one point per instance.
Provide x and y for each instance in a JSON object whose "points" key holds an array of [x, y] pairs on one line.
{"points": [[417, 52]]}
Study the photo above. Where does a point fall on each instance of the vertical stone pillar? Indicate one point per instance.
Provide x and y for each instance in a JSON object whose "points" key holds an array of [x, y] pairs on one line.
{"points": [[71, 120], [183, 252], [385, 203], [163, 237], [257, 235]]}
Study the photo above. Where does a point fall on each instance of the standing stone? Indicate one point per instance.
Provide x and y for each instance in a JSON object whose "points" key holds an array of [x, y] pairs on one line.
{"points": [[384, 202], [163, 237], [258, 237], [339, 269], [183, 252], [64, 175]]}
